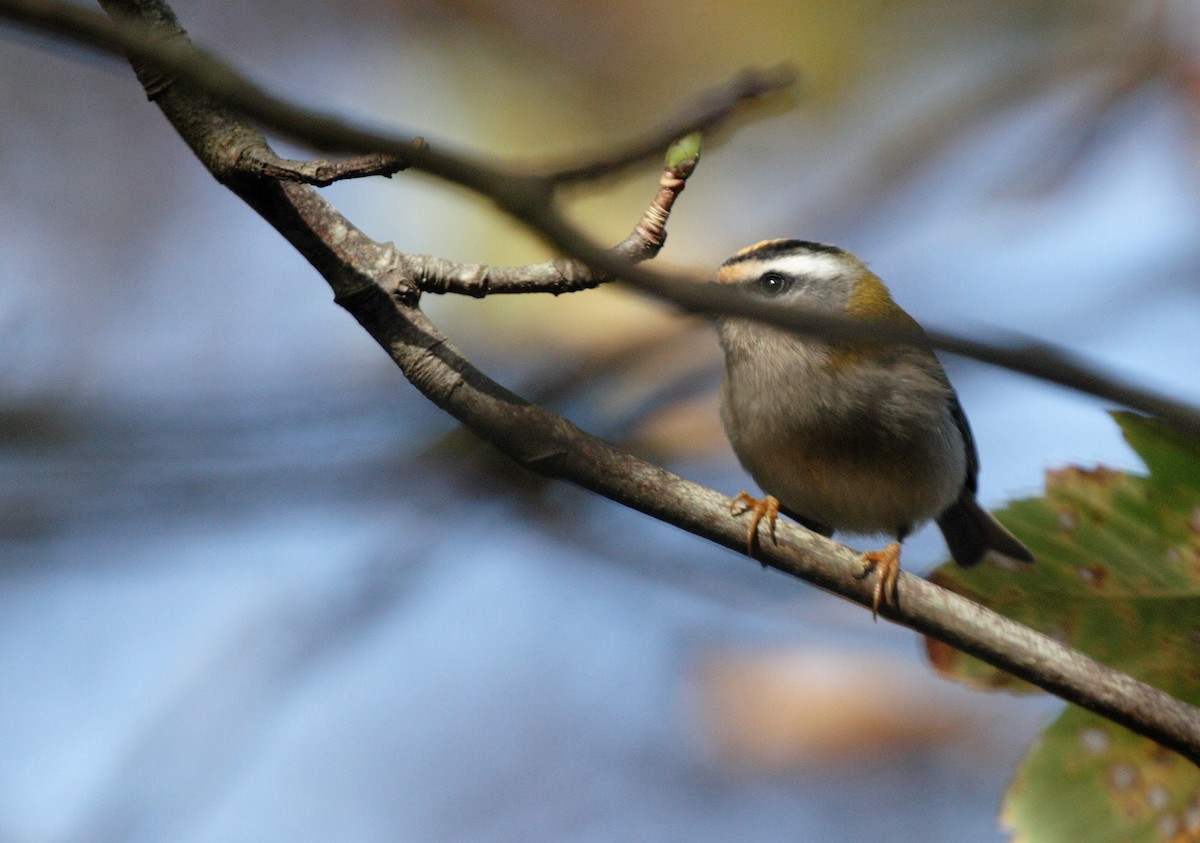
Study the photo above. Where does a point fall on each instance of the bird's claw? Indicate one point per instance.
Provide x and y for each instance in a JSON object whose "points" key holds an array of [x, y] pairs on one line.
{"points": [[887, 561], [759, 508]]}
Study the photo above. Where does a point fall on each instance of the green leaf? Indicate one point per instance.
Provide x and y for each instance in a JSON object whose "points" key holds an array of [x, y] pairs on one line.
{"points": [[1118, 577], [1087, 779]]}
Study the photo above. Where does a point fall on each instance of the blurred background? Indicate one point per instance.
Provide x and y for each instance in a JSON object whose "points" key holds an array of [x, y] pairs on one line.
{"points": [[253, 587]]}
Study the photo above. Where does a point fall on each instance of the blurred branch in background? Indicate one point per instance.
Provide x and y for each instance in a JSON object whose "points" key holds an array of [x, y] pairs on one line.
{"points": [[528, 196]]}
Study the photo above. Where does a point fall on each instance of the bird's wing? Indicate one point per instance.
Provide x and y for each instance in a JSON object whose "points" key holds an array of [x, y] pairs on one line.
{"points": [[971, 483]]}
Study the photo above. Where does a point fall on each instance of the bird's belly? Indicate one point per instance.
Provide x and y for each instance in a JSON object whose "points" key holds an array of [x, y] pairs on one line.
{"points": [[856, 486], [875, 451]]}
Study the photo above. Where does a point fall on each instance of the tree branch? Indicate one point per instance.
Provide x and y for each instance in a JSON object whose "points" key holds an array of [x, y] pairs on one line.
{"points": [[370, 281], [262, 161]]}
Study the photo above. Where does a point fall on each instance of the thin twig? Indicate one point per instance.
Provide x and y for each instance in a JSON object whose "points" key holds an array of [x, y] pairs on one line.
{"points": [[262, 161], [711, 108], [439, 275]]}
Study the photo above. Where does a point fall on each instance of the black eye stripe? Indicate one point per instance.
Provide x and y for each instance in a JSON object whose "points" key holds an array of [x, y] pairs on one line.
{"points": [[774, 283]]}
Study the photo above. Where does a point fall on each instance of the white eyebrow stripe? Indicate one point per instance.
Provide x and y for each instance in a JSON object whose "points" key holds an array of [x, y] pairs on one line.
{"points": [[819, 265]]}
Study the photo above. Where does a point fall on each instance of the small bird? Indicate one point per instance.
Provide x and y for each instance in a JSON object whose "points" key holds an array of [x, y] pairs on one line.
{"points": [[858, 436]]}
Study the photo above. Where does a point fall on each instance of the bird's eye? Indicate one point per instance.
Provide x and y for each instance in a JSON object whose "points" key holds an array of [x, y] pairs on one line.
{"points": [[774, 284]]}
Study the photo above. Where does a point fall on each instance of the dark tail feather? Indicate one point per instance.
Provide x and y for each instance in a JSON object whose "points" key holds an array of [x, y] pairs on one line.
{"points": [[971, 532]]}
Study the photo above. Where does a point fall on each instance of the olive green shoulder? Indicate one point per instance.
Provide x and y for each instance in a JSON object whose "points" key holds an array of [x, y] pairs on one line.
{"points": [[871, 300]]}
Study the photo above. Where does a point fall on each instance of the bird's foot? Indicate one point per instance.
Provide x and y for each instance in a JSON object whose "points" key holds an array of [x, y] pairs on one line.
{"points": [[759, 508], [887, 562]]}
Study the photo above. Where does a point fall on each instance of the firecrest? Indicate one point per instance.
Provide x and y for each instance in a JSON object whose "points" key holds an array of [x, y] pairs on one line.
{"points": [[857, 436]]}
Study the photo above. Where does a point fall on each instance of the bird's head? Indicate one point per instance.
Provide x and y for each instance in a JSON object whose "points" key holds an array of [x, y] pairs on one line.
{"points": [[812, 275]]}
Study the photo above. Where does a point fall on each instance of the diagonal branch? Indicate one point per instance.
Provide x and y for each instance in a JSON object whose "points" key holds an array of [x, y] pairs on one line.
{"points": [[368, 280], [550, 445]]}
